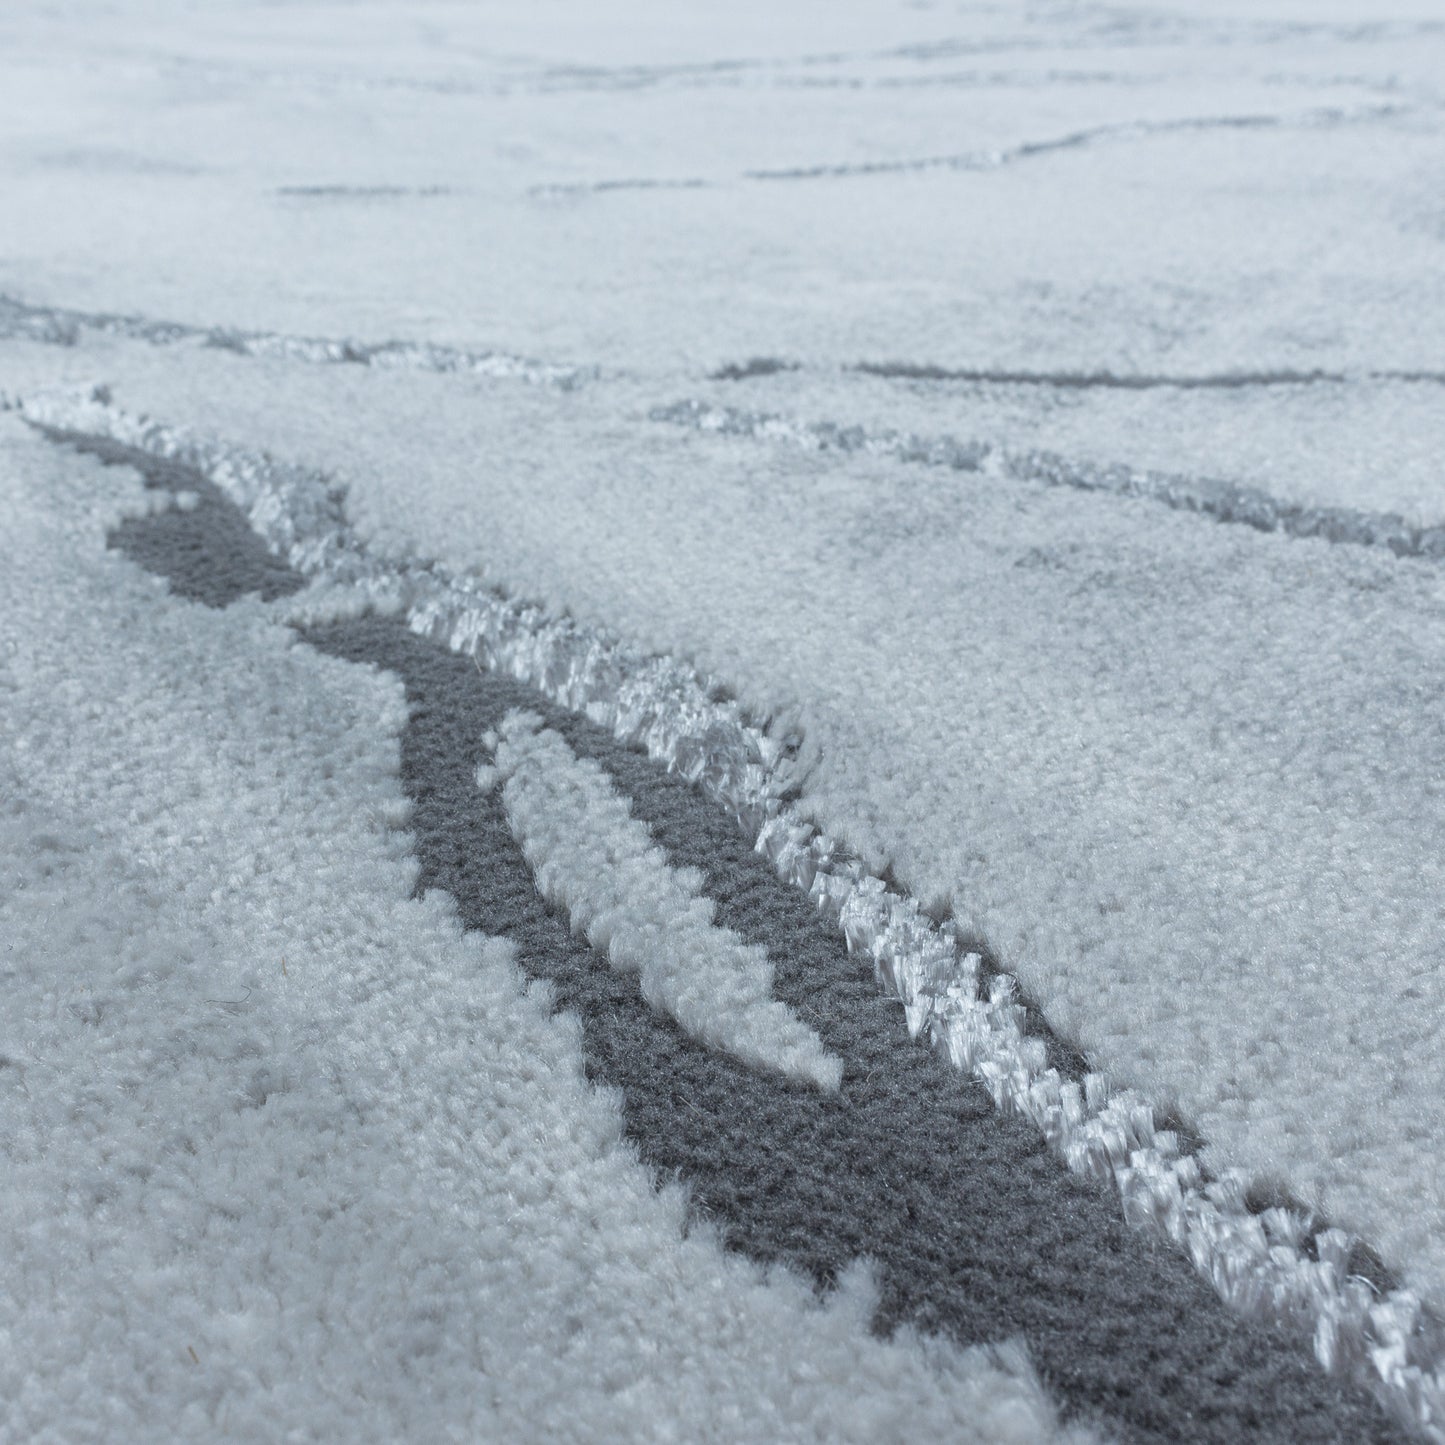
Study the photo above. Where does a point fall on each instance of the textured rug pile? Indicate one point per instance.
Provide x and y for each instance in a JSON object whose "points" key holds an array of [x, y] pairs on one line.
{"points": [[722, 725]]}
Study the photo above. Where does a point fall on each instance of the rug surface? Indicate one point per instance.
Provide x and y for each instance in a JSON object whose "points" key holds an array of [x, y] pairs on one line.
{"points": [[722, 723]]}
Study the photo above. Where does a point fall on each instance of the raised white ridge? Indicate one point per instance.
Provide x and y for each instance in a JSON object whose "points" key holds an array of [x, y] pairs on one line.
{"points": [[60, 326], [1224, 501]]}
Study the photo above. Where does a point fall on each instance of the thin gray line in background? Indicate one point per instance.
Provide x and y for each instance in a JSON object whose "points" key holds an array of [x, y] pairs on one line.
{"points": [[1222, 501], [1126, 381], [993, 159], [344, 192], [60, 326]]}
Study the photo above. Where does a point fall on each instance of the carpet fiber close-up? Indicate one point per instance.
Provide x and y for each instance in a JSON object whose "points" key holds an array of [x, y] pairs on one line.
{"points": [[722, 723]]}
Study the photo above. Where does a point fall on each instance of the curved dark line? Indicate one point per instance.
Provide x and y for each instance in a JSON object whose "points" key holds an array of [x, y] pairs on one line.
{"points": [[1142, 381], [981, 160], [361, 192], [976, 1231], [1221, 501], [624, 183], [754, 366], [207, 551]]}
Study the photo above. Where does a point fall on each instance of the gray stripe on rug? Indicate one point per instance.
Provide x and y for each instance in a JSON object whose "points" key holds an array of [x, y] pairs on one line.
{"points": [[976, 1231]]}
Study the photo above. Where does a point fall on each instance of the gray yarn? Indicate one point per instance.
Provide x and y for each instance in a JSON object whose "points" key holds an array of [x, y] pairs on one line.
{"points": [[977, 1233]]}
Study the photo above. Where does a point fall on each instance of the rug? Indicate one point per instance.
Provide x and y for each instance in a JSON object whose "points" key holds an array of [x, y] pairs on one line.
{"points": [[656, 786]]}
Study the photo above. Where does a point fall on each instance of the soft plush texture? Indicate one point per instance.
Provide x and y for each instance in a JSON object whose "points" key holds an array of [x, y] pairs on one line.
{"points": [[967, 1224], [1070, 723], [1035, 415], [290, 1154]]}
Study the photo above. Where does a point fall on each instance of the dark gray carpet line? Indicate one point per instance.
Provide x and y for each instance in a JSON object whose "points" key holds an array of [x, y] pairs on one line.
{"points": [[995, 159], [1233, 503], [1223, 501], [322, 192], [752, 367], [976, 1231], [212, 556], [927, 371], [209, 552], [1123, 130], [1125, 381]]}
